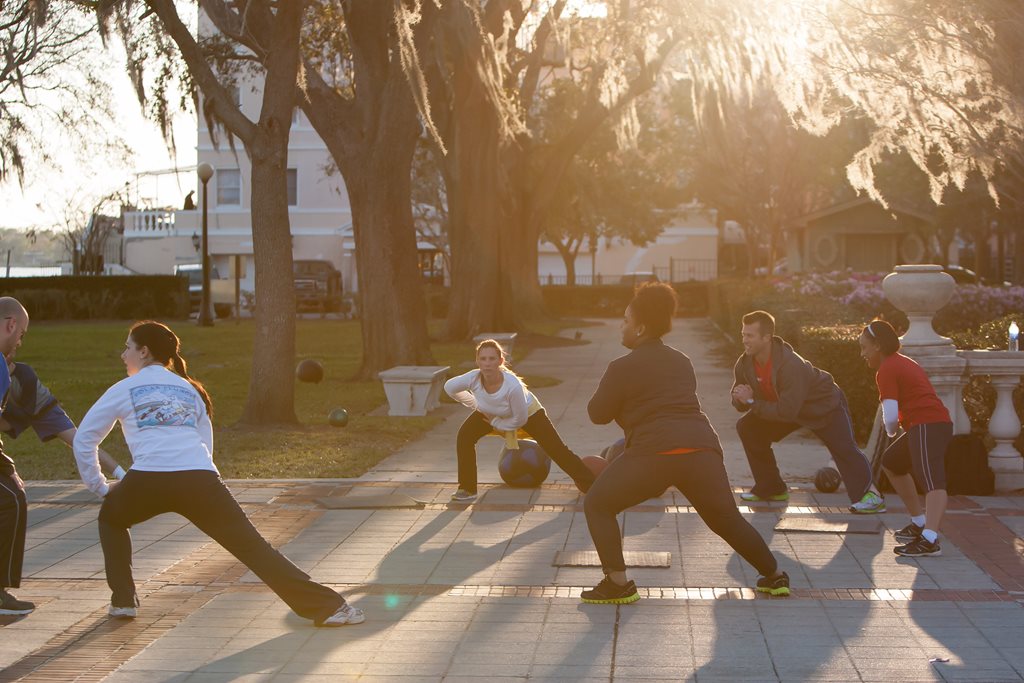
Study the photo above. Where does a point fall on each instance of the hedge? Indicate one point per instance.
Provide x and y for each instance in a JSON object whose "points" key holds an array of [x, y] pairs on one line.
{"points": [[100, 296], [835, 349]]}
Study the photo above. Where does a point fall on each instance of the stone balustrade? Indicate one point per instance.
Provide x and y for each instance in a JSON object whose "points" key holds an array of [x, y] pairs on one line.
{"points": [[155, 223], [1004, 370]]}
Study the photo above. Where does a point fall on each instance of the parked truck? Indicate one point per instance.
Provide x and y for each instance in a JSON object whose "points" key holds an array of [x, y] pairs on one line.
{"points": [[317, 286], [222, 292]]}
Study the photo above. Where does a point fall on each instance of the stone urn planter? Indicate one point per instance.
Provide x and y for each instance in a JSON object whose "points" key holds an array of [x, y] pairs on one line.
{"points": [[920, 291]]}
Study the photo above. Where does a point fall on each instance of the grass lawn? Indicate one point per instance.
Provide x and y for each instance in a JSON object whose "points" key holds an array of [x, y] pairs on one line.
{"points": [[80, 360]]}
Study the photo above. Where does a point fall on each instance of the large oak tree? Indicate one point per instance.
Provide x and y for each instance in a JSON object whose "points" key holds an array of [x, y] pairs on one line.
{"points": [[145, 25]]}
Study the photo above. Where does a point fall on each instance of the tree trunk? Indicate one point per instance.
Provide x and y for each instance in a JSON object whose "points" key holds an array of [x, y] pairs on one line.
{"points": [[480, 242], [392, 305], [372, 138], [271, 396], [570, 268]]}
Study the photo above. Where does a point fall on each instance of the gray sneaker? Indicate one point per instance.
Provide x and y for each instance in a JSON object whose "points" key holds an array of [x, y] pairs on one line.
{"points": [[346, 614], [463, 496], [10, 605]]}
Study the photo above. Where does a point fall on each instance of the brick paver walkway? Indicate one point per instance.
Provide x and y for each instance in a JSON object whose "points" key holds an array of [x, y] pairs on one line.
{"points": [[469, 592]]}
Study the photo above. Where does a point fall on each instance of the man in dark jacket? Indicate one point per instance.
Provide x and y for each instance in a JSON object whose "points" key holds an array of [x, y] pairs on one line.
{"points": [[780, 392], [13, 504]]}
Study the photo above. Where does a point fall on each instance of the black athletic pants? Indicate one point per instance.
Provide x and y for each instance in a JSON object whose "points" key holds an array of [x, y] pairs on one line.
{"points": [[202, 498], [13, 524], [700, 476], [539, 427]]}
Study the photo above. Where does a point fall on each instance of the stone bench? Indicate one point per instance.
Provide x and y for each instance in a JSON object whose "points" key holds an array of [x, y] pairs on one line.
{"points": [[506, 339], [413, 389]]}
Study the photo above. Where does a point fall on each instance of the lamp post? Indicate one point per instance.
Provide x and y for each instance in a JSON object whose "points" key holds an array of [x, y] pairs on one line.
{"points": [[205, 172]]}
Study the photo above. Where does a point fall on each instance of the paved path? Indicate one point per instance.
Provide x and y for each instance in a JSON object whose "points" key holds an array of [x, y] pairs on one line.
{"points": [[470, 593]]}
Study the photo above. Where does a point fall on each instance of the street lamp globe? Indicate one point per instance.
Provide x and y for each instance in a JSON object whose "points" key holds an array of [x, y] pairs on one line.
{"points": [[205, 171]]}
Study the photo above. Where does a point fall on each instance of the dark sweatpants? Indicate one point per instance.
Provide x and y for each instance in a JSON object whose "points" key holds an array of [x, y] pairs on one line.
{"points": [[758, 435], [202, 498], [539, 427], [700, 476], [13, 524]]}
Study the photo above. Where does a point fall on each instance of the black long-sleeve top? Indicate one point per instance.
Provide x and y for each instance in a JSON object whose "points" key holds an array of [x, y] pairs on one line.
{"points": [[651, 393]]}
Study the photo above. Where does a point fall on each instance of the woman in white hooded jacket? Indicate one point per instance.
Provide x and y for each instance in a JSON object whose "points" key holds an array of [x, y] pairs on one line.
{"points": [[501, 403], [165, 417]]}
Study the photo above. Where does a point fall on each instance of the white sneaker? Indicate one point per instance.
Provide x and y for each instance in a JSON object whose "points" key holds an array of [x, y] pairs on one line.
{"points": [[123, 612], [346, 614]]}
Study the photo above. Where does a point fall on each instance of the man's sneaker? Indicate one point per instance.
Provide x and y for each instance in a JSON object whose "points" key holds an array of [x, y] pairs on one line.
{"points": [[610, 593], [870, 504], [463, 496], [777, 586], [12, 605], [910, 532], [919, 547], [751, 497], [346, 614], [122, 612]]}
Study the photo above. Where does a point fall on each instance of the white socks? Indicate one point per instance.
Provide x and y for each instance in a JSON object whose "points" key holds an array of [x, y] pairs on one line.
{"points": [[119, 472], [930, 535], [918, 520]]}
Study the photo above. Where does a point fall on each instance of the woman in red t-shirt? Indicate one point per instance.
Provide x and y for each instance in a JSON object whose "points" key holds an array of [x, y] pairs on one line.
{"points": [[919, 453]]}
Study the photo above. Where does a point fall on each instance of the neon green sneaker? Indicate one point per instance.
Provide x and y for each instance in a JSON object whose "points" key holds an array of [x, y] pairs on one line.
{"points": [[751, 497], [870, 504]]}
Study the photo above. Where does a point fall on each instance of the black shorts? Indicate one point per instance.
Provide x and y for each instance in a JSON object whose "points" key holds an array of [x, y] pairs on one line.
{"points": [[921, 451]]}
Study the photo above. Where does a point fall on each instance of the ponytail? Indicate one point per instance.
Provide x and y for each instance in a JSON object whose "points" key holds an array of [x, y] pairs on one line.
{"points": [[180, 367], [165, 347]]}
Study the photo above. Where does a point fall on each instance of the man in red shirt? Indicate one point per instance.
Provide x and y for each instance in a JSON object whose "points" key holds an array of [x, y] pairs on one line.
{"points": [[780, 392]]}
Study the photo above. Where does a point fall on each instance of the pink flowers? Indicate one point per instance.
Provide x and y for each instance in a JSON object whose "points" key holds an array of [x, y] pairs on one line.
{"points": [[861, 298]]}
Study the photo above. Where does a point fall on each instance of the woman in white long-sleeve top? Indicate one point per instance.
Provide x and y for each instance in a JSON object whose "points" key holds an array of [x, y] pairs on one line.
{"points": [[165, 417], [501, 403]]}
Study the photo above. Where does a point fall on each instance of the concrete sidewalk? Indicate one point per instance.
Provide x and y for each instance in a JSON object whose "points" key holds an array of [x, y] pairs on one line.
{"points": [[470, 593]]}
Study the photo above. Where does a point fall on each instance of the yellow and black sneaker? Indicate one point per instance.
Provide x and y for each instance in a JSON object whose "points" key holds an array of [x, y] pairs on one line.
{"points": [[777, 586], [610, 593]]}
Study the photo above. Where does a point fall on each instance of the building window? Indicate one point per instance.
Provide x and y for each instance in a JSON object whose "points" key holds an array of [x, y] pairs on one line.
{"points": [[293, 187], [229, 187]]}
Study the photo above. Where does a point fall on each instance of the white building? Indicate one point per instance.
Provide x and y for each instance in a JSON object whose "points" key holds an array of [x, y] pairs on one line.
{"points": [[319, 211]]}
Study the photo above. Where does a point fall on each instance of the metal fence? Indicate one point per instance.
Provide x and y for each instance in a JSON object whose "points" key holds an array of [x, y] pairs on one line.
{"points": [[678, 270]]}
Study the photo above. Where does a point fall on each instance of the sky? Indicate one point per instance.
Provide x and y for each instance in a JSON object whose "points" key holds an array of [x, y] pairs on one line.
{"points": [[48, 189]]}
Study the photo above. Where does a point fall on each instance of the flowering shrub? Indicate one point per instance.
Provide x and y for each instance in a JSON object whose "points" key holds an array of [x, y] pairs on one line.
{"points": [[974, 305], [862, 299]]}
